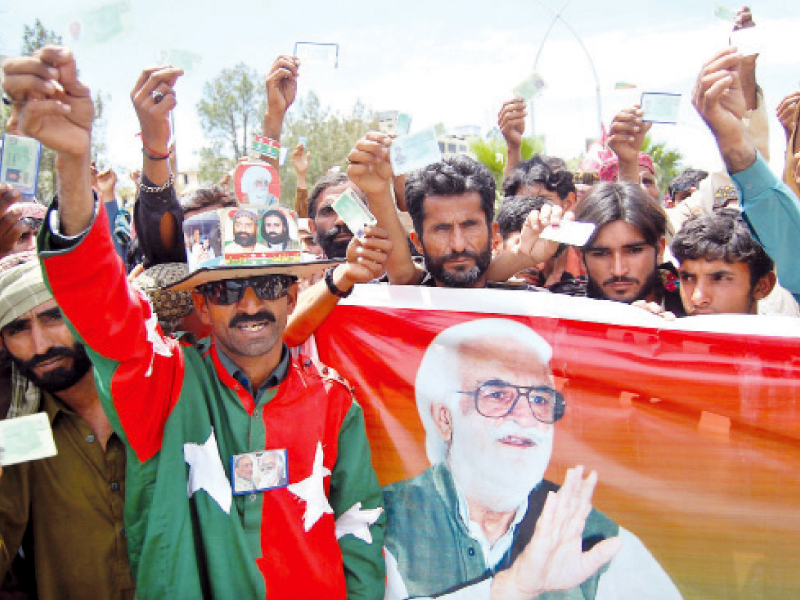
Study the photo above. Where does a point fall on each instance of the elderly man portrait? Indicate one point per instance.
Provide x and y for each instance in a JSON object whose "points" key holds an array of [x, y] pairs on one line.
{"points": [[485, 394]]}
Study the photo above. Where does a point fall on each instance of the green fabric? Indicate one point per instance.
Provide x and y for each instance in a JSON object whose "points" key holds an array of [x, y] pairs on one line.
{"points": [[74, 504], [433, 548]]}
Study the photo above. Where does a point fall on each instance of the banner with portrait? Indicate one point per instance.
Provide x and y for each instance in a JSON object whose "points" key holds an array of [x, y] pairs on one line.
{"points": [[693, 426]]}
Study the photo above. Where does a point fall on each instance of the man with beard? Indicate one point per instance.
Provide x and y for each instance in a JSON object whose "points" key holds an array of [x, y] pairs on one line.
{"points": [[451, 205], [185, 410], [470, 525], [71, 503], [623, 258], [275, 229], [244, 234], [273, 470], [332, 234]]}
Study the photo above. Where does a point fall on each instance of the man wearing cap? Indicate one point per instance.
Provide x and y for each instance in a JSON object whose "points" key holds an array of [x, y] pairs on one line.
{"points": [[245, 227], [71, 503], [185, 412]]}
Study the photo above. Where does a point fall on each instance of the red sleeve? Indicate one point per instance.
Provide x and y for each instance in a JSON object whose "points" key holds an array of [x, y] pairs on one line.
{"points": [[142, 368]]}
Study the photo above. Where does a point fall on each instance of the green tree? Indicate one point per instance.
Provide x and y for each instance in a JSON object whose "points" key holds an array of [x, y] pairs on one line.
{"points": [[37, 36], [493, 153], [213, 163], [33, 38], [231, 110], [667, 162], [330, 137]]}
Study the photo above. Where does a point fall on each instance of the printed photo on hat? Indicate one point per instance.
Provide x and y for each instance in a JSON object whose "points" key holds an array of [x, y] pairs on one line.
{"points": [[236, 243], [257, 184], [251, 234], [201, 236]]}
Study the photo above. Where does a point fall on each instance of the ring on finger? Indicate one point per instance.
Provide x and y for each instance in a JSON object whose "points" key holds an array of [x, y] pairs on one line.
{"points": [[157, 96]]}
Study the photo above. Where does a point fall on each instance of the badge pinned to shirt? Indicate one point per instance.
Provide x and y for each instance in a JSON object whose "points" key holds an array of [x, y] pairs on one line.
{"points": [[258, 471]]}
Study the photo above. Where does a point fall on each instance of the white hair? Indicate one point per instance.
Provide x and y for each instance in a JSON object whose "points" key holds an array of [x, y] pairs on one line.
{"points": [[436, 378]]}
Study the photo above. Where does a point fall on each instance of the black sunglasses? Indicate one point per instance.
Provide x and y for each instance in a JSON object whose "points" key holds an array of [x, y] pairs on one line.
{"points": [[230, 291]]}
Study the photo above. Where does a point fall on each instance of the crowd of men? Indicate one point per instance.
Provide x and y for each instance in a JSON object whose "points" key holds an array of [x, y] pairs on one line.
{"points": [[181, 457]]}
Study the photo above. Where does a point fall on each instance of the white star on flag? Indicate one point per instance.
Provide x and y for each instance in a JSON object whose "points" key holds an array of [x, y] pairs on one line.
{"points": [[206, 472], [356, 522], [159, 345], [312, 491]]}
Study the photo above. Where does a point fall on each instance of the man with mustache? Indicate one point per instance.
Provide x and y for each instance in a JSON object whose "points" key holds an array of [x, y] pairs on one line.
{"points": [[451, 205], [275, 229], [482, 522], [185, 411], [623, 258], [244, 234], [84, 484], [331, 233]]}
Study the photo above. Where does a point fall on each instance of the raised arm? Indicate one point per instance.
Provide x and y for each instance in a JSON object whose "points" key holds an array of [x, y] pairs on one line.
{"points": [[371, 171], [281, 86], [301, 161], [626, 136], [158, 217], [511, 121], [365, 262], [57, 109], [769, 207], [530, 250]]}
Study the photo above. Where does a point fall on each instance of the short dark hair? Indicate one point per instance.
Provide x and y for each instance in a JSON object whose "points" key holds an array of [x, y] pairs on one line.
{"points": [[687, 179], [453, 175], [513, 212], [548, 171], [625, 201], [214, 196], [722, 235], [323, 183]]}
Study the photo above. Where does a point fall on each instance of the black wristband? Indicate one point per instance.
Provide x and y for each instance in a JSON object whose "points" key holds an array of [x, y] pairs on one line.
{"points": [[332, 286]]}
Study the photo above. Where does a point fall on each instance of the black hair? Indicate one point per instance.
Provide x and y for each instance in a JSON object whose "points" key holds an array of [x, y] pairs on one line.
{"points": [[687, 179], [548, 171], [625, 201], [452, 176], [513, 212], [722, 235], [214, 196], [323, 183], [281, 216]]}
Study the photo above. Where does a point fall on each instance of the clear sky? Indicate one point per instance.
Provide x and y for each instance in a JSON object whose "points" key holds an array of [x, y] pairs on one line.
{"points": [[438, 60]]}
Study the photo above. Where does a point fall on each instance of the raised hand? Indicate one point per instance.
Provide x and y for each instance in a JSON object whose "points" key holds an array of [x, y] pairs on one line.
{"points": [[369, 167], [50, 103], [281, 84], [366, 258], [554, 558], [154, 98], [511, 121], [787, 112], [626, 135]]}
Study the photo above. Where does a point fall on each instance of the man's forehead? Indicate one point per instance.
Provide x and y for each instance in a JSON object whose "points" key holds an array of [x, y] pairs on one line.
{"points": [[702, 265], [332, 193], [618, 234], [489, 357]]}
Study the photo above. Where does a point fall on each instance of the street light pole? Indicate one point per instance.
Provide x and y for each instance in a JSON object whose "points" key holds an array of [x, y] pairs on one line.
{"points": [[557, 16]]}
